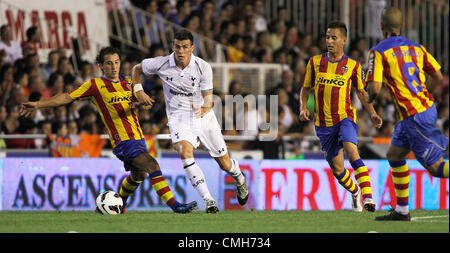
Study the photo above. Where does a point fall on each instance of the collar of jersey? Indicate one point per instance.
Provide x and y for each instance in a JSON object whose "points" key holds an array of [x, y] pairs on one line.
{"points": [[342, 58], [120, 79]]}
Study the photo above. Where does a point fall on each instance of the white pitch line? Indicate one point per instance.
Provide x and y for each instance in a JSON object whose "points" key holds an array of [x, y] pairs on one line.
{"points": [[431, 221], [429, 217]]}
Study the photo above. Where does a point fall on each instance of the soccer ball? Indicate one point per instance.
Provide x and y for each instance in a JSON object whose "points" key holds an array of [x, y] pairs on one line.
{"points": [[109, 202]]}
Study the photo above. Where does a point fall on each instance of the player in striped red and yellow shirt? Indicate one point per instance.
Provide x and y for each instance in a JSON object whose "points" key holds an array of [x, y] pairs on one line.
{"points": [[331, 76], [114, 97], [402, 66], [114, 100]]}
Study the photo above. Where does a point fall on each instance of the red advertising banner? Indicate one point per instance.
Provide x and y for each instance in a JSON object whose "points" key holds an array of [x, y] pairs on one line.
{"points": [[60, 22], [310, 185]]}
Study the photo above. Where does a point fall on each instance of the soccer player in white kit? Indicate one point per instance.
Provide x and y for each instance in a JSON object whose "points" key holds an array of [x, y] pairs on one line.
{"points": [[188, 88]]}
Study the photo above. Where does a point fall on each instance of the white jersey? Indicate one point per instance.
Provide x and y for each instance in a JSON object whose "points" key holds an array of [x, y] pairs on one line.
{"points": [[13, 52], [182, 88]]}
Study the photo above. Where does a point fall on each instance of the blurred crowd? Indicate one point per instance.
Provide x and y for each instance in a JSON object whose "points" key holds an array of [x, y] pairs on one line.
{"points": [[248, 37]]}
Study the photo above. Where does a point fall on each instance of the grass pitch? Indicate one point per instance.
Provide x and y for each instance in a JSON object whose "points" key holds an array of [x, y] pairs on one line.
{"points": [[424, 221]]}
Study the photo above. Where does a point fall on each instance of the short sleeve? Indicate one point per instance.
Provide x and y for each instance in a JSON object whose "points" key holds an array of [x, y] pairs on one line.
{"points": [[430, 65], [375, 67], [149, 66], [206, 82], [309, 75], [357, 78], [84, 91]]}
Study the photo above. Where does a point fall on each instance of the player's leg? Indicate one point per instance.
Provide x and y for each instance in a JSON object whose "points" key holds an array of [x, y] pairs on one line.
{"points": [[125, 151], [130, 184], [344, 178], [419, 134], [212, 138], [231, 166], [428, 143], [194, 173], [439, 168], [348, 132], [332, 146], [434, 161], [361, 175], [396, 155], [400, 176], [149, 164]]}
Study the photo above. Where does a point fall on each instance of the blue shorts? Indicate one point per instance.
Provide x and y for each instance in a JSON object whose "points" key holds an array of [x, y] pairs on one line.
{"points": [[127, 150], [420, 134], [331, 138]]}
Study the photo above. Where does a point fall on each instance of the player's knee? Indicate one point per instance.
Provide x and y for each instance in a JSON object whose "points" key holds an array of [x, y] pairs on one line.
{"points": [[391, 156], [153, 164], [184, 151], [336, 169], [351, 151], [353, 157], [138, 175], [433, 169], [146, 162]]}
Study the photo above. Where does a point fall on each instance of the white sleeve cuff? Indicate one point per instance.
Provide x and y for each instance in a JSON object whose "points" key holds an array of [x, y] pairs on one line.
{"points": [[138, 87]]}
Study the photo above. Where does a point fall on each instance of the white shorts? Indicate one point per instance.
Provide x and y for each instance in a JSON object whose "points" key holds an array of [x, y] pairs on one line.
{"points": [[205, 129]]}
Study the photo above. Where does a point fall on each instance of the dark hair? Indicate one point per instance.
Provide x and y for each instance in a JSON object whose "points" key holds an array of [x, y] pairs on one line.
{"points": [[57, 126], [234, 39], [54, 51], [35, 96], [25, 124], [184, 34], [85, 63], [85, 111], [161, 4], [260, 54], [42, 123], [61, 59], [445, 125], [339, 25], [52, 79], [3, 28], [3, 70], [180, 4], [19, 75], [31, 31], [280, 8], [104, 51]]}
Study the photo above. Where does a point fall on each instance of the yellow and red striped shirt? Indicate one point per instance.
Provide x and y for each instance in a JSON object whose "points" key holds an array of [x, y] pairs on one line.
{"points": [[401, 64], [113, 101], [332, 82]]}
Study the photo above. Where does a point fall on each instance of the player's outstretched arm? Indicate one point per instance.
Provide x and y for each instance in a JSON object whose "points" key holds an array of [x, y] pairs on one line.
{"points": [[136, 76], [55, 101]]}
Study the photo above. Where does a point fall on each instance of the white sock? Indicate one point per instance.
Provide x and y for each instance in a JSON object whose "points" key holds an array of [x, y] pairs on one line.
{"points": [[236, 172], [197, 178], [402, 209]]}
